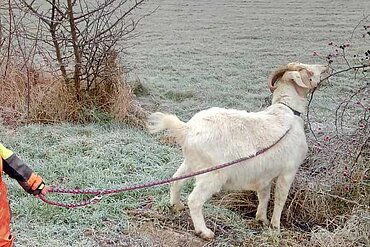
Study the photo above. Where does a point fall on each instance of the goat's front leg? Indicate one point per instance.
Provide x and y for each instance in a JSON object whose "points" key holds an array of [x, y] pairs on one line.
{"points": [[175, 188], [263, 200], [200, 194], [283, 184]]}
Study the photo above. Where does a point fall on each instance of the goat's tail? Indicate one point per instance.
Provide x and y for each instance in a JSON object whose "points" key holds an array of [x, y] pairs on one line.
{"points": [[159, 121]]}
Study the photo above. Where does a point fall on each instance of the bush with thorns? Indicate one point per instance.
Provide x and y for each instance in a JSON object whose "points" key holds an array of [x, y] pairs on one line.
{"points": [[330, 199]]}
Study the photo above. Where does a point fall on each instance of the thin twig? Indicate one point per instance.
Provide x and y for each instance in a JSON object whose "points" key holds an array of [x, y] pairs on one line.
{"points": [[358, 24], [362, 66], [340, 198], [361, 150], [10, 36], [308, 114]]}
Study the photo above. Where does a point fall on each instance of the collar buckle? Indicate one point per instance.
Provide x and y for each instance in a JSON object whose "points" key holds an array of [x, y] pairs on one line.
{"points": [[296, 113]]}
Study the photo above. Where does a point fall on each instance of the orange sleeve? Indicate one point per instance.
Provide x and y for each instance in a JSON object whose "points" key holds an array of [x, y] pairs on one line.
{"points": [[34, 181], [17, 169]]}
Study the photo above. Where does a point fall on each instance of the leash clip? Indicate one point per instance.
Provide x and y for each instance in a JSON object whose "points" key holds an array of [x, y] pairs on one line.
{"points": [[96, 199]]}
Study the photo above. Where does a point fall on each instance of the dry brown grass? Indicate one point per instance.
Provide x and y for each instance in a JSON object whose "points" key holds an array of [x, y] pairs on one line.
{"points": [[353, 232], [38, 96]]}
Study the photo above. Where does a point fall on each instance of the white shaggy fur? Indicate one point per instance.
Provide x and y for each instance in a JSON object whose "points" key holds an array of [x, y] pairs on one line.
{"points": [[217, 135]]}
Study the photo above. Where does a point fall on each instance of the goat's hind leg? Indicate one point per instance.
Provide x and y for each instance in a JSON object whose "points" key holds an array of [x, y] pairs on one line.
{"points": [[204, 189], [175, 188]]}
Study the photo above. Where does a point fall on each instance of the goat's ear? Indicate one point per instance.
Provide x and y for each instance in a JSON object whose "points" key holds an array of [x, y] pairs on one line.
{"points": [[296, 77], [309, 73]]}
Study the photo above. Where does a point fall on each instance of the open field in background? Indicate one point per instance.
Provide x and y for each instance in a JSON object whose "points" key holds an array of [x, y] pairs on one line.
{"points": [[196, 54], [189, 55]]}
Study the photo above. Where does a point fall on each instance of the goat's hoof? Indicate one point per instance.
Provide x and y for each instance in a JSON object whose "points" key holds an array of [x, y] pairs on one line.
{"points": [[263, 221], [206, 234], [275, 227], [178, 207]]}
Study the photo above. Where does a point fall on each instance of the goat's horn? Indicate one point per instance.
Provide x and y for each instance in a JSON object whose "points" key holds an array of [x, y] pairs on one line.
{"points": [[276, 75], [295, 66]]}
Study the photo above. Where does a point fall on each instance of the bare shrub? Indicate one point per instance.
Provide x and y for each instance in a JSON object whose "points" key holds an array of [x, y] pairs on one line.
{"points": [[62, 61], [82, 36], [41, 97]]}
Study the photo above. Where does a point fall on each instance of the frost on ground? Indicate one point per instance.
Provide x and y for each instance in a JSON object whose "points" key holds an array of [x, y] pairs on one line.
{"points": [[189, 55]]}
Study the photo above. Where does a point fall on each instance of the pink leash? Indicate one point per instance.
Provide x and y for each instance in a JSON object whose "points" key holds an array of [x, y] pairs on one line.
{"points": [[98, 193]]}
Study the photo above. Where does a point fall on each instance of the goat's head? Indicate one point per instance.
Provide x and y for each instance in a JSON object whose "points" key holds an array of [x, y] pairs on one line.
{"points": [[304, 76]]}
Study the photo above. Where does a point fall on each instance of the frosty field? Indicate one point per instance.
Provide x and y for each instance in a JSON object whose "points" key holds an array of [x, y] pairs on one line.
{"points": [[189, 55], [196, 54]]}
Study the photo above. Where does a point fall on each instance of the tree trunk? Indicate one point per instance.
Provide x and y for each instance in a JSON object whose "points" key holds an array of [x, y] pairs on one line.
{"points": [[53, 26], [76, 50]]}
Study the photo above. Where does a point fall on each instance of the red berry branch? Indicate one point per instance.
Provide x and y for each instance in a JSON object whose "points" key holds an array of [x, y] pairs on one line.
{"points": [[349, 142]]}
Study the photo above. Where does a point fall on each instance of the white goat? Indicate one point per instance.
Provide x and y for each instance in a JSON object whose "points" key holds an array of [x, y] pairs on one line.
{"points": [[217, 135]]}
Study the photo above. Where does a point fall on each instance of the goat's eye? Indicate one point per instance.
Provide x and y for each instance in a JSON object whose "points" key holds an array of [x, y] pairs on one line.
{"points": [[310, 79]]}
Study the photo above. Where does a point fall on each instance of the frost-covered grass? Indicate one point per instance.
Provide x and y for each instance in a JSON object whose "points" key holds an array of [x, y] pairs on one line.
{"points": [[92, 156], [220, 53], [190, 55], [103, 156]]}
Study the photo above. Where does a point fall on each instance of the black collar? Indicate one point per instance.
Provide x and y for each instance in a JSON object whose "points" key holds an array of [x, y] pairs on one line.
{"points": [[297, 113]]}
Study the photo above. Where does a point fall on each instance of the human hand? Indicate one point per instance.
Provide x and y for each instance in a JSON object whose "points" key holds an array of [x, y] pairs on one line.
{"points": [[42, 190], [45, 190]]}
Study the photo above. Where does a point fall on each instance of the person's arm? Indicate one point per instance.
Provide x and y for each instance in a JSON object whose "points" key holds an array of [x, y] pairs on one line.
{"points": [[18, 170]]}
